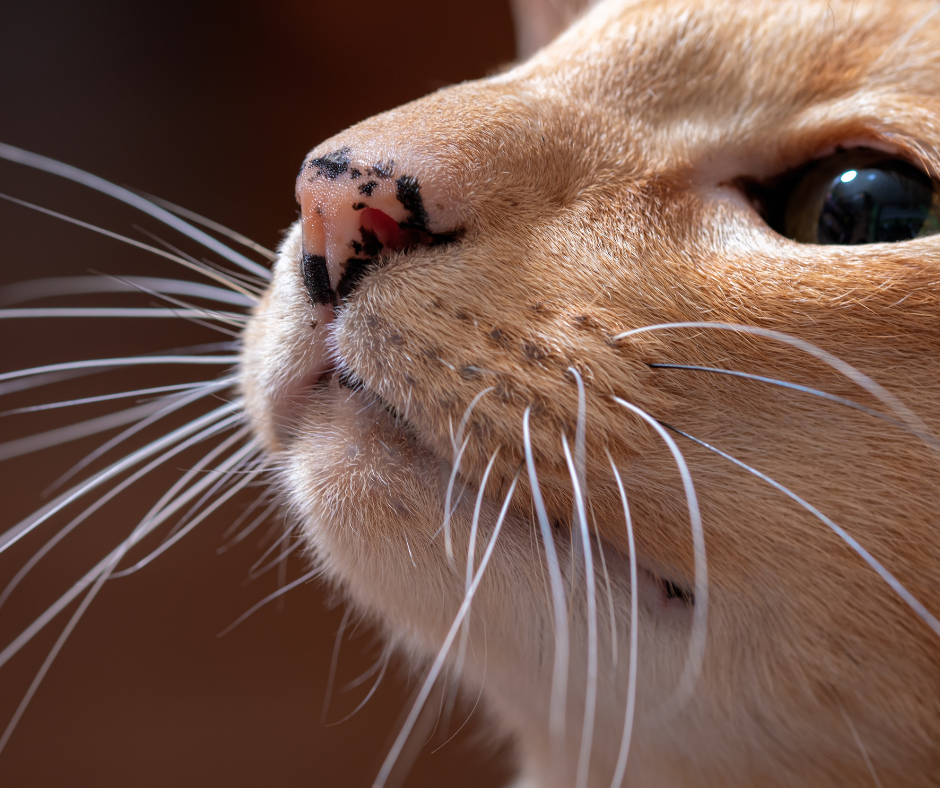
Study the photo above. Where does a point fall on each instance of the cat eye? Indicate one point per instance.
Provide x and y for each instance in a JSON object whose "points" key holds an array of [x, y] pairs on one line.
{"points": [[858, 196]]}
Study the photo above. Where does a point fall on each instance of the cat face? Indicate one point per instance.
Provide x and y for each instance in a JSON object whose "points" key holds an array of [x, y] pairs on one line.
{"points": [[492, 431]]}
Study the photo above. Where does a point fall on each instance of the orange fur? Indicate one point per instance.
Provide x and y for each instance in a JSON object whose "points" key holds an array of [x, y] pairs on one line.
{"points": [[595, 189]]}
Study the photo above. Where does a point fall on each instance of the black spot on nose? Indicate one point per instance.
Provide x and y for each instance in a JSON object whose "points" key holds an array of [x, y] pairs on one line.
{"points": [[356, 269], [408, 192], [368, 187], [317, 279], [332, 165]]}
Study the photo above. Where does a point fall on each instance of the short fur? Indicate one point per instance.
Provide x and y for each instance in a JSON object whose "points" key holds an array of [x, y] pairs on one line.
{"points": [[592, 190]]}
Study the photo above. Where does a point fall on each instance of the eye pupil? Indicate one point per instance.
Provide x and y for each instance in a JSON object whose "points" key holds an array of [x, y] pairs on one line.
{"points": [[888, 202], [857, 196]]}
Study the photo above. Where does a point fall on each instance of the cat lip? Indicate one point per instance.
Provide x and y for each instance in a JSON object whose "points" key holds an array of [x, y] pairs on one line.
{"points": [[295, 399]]}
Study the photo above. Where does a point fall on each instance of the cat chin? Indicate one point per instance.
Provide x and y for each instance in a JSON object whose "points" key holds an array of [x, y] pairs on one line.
{"points": [[370, 499]]}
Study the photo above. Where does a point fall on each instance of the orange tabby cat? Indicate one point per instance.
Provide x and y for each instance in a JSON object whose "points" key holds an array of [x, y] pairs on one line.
{"points": [[492, 368], [606, 386]]}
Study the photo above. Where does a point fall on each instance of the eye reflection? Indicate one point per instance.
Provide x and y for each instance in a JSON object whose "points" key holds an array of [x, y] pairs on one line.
{"points": [[861, 197]]}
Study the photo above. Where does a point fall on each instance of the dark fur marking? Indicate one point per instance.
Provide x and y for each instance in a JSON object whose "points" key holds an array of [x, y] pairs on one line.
{"points": [[675, 591], [348, 380], [371, 245], [356, 269], [368, 187], [317, 279], [408, 193], [333, 164], [503, 391], [382, 169], [533, 352], [355, 173]]}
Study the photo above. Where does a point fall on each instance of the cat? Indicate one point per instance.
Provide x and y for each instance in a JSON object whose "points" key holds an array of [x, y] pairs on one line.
{"points": [[617, 368]]}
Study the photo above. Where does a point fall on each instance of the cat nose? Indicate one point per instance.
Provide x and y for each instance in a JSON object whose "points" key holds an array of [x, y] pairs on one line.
{"points": [[358, 210]]}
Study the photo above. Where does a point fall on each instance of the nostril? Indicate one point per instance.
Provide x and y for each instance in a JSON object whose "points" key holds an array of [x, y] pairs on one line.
{"points": [[384, 228], [379, 233]]}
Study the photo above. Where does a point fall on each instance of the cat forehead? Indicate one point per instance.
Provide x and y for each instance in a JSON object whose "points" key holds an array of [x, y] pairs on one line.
{"points": [[702, 90], [705, 75], [681, 43]]}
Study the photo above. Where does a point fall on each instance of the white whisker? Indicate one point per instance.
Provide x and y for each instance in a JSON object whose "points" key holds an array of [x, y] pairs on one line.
{"points": [[435, 669], [334, 662], [448, 497], [384, 666], [858, 377], [363, 677], [106, 398], [170, 405], [73, 432], [465, 630], [455, 468], [256, 571], [60, 642], [128, 361], [610, 593], [189, 311], [204, 270], [476, 520], [145, 527], [25, 384], [590, 699], [251, 526], [136, 201], [577, 471], [792, 386], [32, 289], [247, 451], [925, 615], [621, 768], [270, 598], [98, 576], [227, 474], [560, 667], [693, 666], [475, 703], [861, 746], [111, 494], [121, 312], [29, 524], [215, 226], [233, 279]]}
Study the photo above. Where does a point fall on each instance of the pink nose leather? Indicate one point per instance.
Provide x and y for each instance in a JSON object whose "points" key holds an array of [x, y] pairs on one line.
{"points": [[355, 213]]}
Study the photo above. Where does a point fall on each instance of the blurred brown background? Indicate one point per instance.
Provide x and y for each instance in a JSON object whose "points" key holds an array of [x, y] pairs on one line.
{"points": [[211, 106]]}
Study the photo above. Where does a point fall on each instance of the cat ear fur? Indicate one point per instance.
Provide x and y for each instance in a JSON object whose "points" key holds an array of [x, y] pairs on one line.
{"points": [[539, 21]]}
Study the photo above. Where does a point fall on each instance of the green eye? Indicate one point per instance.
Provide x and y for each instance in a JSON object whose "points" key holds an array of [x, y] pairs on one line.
{"points": [[858, 197]]}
